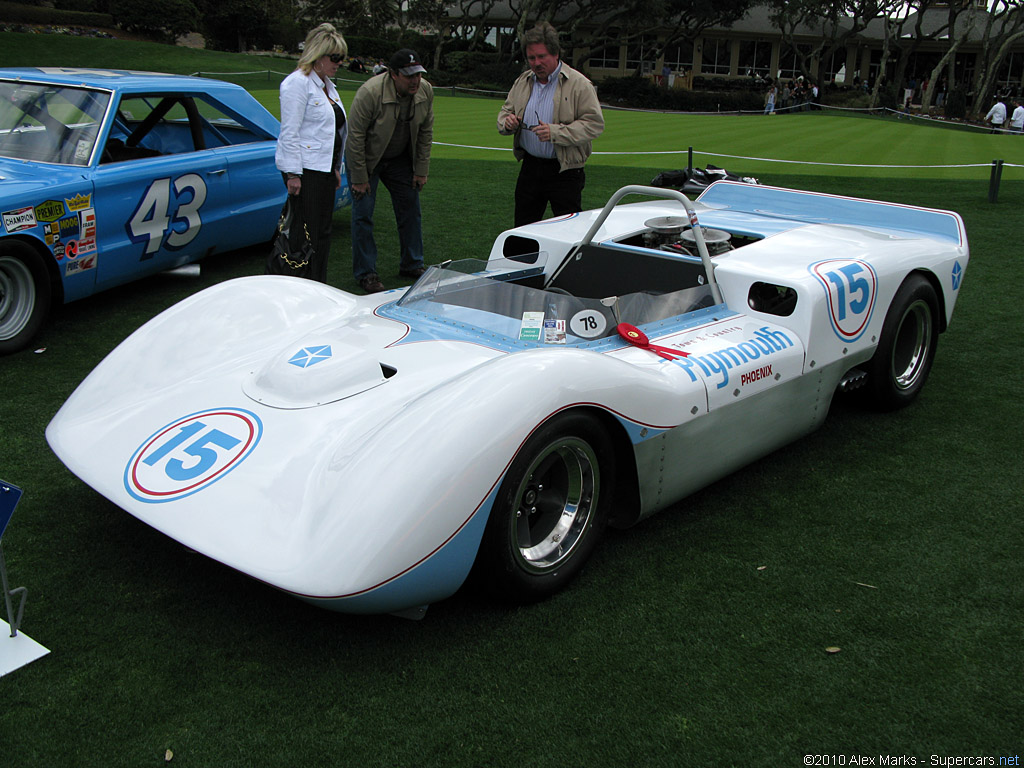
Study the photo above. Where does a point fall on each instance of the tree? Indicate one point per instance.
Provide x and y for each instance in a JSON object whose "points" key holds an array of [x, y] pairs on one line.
{"points": [[1004, 25], [908, 31], [239, 25], [833, 23], [591, 26], [958, 20], [157, 17]]}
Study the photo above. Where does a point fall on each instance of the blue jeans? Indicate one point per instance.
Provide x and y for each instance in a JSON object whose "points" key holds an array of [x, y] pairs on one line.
{"points": [[396, 173]]}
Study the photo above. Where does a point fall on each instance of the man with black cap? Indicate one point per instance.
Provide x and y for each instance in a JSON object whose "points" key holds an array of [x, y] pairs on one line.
{"points": [[390, 132]]}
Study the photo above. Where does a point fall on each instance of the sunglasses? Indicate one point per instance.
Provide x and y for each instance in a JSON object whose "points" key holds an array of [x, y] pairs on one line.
{"points": [[336, 58]]}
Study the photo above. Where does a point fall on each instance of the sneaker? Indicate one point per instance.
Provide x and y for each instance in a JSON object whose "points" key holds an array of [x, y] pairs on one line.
{"points": [[371, 283], [415, 272]]}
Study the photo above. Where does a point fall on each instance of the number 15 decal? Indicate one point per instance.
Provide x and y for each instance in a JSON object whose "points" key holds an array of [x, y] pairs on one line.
{"points": [[191, 453], [154, 218], [851, 287]]}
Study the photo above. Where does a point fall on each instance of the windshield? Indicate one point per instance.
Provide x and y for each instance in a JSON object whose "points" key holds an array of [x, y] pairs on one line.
{"points": [[50, 123], [506, 297]]}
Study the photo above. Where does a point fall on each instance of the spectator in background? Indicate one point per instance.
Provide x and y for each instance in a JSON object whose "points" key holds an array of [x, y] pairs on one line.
{"points": [[769, 99], [311, 141], [1017, 118], [553, 114], [997, 115], [390, 136]]}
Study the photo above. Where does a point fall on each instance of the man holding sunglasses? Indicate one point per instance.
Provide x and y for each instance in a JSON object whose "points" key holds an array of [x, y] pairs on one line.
{"points": [[553, 113], [391, 129]]}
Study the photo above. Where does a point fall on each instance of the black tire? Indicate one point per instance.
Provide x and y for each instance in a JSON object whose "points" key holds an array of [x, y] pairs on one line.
{"points": [[906, 348], [24, 295], [550, 511]]}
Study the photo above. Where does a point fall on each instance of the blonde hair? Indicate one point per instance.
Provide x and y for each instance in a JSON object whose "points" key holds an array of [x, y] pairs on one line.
{"points": [[321, 41]]}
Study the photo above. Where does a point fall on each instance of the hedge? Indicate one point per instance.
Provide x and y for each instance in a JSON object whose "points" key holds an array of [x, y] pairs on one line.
{"points": [[33, 14], [643, 93]]}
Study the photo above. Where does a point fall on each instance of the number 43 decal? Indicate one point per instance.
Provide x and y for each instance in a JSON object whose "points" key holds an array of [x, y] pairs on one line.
{"points": [[154, 222]]}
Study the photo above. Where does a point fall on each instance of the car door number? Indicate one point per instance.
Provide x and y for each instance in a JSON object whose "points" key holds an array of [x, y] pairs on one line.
{"points": [[153, 222]]}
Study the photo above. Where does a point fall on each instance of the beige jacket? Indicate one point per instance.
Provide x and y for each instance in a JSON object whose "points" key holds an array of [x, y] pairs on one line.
{"points": [[576, 121], [372, 119]]}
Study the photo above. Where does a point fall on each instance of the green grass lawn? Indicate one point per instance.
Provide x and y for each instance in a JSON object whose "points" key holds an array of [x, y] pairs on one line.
{"points": [[697, 638]]}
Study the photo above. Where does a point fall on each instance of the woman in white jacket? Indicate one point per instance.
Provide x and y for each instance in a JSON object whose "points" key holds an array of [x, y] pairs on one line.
{"points": [[311, 145]]}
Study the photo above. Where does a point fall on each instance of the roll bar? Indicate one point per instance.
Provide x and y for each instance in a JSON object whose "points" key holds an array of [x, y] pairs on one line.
{"points": [[668, 194]]}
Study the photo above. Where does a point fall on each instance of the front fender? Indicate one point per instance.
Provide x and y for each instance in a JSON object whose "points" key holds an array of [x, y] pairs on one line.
{"points": [[425, 479]]}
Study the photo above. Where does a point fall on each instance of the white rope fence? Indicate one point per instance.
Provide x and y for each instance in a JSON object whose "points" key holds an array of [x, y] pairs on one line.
{"points": [[743, 157], [996, 165]]}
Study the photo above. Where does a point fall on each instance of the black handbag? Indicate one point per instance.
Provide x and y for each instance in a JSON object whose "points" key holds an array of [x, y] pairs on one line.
{"points": [[283, 259]]}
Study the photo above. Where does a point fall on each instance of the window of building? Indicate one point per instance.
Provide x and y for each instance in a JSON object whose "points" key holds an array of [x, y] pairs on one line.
{"points": [[833, 64], [715, 57], [605, 58], [755, 58], [1011, 73], [789, 61], [640, 55], [680, 56]]}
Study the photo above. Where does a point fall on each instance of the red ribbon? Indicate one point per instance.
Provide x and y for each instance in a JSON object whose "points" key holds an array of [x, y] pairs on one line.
{"points": [[638, 338]]}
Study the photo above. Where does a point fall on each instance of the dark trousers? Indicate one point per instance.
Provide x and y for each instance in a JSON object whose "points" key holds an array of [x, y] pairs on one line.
{"points": [[541, 183], [315, 210], [397, 175]]}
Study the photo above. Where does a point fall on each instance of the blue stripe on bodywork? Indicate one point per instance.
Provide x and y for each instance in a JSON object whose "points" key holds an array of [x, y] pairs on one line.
{"points": [[638, 433], [816, 208], [437, 577], [428, 327]]}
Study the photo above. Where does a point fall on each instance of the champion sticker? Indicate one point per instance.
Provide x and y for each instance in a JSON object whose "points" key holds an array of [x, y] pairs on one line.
{"points": [[191, 453], [23, 218], [851, 286]]}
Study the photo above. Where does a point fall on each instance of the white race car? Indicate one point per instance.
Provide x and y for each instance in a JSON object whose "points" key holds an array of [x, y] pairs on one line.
{"points": [[366, 453]]}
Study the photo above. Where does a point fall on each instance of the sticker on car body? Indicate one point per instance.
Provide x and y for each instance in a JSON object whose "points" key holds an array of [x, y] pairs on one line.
{"points": [[51, 210], [191, 453], [79, 202], [851, 286], [154, 219], [17, 220]]}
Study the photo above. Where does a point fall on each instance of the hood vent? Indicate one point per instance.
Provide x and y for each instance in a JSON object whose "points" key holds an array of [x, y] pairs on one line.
{"points": [[313, 372]]}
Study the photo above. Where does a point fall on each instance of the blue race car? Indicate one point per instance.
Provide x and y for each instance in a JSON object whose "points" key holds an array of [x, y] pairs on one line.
{"points": [[107, 176]]}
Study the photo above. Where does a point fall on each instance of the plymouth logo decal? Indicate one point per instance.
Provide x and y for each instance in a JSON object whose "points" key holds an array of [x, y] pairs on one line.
{"points": [[191, 453], [308, 356]]}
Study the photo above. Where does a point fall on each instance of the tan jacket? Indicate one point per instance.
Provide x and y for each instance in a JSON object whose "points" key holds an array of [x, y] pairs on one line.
{"points": [[576, 121], [372, 119]]}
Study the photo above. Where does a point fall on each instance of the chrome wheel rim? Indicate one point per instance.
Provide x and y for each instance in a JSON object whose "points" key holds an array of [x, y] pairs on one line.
{"points": [[555, 503], [912, 344], [17, 296]]}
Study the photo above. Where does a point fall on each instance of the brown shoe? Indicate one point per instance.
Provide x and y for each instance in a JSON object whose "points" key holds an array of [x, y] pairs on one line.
{"points": [[371, 284], [416, 272]]}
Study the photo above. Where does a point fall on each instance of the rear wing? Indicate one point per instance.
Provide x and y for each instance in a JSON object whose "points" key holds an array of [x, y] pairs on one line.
{"points": [[818, 208]]}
